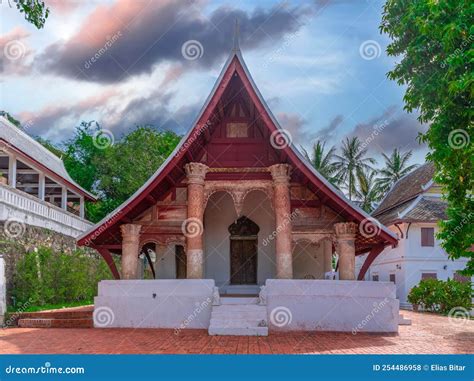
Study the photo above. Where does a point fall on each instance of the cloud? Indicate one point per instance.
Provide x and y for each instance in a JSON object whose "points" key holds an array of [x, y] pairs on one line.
{"points": [[130, 38], [14, 52], [392, 129], [328, 132]]}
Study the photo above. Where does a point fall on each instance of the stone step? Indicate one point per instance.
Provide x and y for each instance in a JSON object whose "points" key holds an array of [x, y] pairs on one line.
{"points": [[55, 323], [239, 320], [226, 331], [403, 321], [238, 300]]}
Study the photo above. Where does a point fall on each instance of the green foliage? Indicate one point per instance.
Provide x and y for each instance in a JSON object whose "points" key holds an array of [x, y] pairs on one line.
{"points": [[35, 11], [322, 160], [351, 163], [396, 166], [46, 277], [433, 40], [114, 171], [368, 192], [441, 296]]}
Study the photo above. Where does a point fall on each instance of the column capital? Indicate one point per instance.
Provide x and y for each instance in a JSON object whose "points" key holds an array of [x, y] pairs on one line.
{"points": [[130, 230], [280, 173], [196, 172], [345, 230]]}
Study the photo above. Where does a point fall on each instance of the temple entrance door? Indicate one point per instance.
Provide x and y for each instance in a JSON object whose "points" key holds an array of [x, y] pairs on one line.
{"points": [[180, 262], [243, 251]]}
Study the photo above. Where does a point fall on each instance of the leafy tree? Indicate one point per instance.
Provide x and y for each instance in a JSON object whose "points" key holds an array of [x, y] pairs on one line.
{"points": [[322, 160], [114, 171], [368, 191], [395, 168], [10, 118], [351, 163], [35, 11], [433, 40]]}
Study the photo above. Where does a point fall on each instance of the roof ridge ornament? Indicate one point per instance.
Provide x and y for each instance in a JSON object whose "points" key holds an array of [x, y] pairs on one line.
{"points": [[236, 47]]}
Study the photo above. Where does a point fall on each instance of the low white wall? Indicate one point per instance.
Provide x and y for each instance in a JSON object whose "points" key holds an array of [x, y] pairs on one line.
{"points": [[166, 303], [3, 291], [331, 305]]}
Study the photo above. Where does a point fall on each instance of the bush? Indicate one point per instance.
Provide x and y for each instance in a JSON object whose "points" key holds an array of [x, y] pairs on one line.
{"points": [[441, 296], [46, 277]]}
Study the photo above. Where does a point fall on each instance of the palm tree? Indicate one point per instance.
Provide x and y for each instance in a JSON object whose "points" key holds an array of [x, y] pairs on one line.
{"points": [[395, 168], [368, 191], [351, 163], [322, 160]]}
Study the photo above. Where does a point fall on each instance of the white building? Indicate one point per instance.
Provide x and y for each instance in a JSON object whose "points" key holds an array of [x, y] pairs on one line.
{"points": [[35, 191], [412, 209], [35, 188]]}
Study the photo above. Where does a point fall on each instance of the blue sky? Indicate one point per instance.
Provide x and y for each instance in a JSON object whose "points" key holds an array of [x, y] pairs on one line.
{"points": [[321, 65]]}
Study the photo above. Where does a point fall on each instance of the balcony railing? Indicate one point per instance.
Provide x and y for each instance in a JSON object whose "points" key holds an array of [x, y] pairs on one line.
{"points": [[20, 206]]}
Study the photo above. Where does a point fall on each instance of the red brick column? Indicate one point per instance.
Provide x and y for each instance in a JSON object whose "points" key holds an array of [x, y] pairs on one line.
{"points": [[281, 201], [130, 248], [193, 225], [345, 237]]}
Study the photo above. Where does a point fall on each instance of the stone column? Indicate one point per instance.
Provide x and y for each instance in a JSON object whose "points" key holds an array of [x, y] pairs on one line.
{"points": [[327, 253], [281, 201], [193, 226], [130, 248], [345, 237]]}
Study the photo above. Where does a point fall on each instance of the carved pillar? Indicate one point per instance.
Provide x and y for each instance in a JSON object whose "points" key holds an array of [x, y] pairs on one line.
{"points": [[130, 247], [193, 225], [345, 237], [327, 253], [281, 201]]}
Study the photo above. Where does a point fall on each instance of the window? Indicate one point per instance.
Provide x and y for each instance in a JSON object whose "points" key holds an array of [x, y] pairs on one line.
{"points": [[375, 278], [427, 237], [429, 276], [461, 278], [392, 278]]}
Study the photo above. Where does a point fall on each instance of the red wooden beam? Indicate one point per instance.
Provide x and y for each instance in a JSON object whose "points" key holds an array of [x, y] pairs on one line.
{"points": [[373, 253], [110, 261]]}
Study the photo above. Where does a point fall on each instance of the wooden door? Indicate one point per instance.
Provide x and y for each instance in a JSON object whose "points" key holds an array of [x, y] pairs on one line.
{"points": [[243, 261], [180, 262]]}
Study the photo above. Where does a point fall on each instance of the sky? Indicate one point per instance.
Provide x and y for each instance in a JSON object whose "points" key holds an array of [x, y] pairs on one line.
{"points": [[321, 66]]}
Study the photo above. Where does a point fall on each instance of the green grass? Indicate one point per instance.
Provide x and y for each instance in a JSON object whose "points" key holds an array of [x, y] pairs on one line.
{"points": [[48, 306]]}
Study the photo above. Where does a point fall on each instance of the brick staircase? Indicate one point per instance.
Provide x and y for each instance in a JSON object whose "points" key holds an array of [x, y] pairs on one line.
{"points": [[78, 317], [239, 316]]}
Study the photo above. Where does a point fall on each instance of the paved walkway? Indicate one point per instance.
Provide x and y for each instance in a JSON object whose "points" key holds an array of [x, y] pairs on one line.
{"points": [[427, 334]]}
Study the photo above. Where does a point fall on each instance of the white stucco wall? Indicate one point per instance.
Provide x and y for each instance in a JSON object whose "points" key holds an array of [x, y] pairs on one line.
{"points": [[219, 214], [412, 260]]}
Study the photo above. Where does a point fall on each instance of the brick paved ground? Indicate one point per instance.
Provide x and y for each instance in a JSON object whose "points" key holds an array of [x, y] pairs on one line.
{"points": [[428, 334]]}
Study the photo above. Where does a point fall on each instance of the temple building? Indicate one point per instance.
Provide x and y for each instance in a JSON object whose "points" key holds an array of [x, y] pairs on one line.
{"points": [[235, 207]]}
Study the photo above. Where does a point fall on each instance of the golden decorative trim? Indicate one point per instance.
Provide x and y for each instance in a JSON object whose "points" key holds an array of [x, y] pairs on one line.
{"points": [[240, 170]]}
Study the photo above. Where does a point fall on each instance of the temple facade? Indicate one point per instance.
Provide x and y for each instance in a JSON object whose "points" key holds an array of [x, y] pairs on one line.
{"points": [[237, 205]]}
